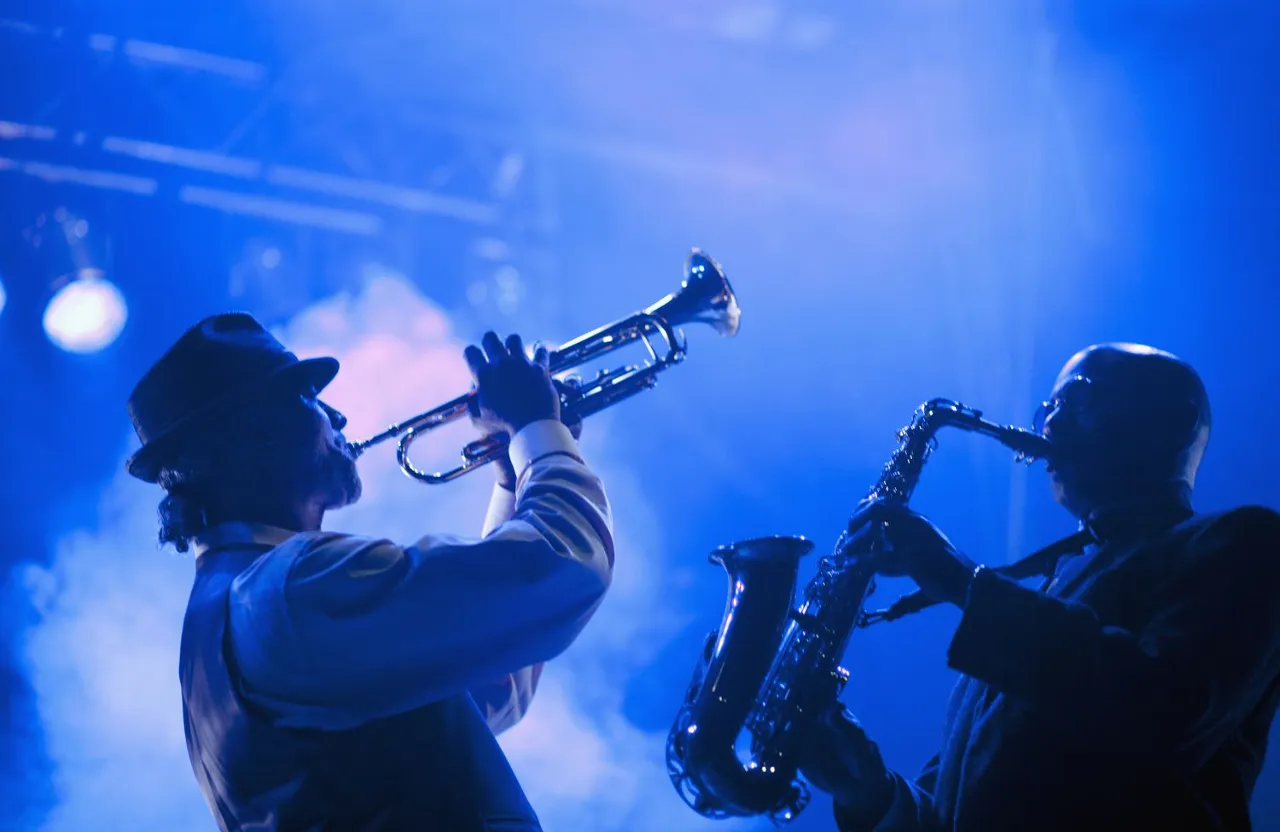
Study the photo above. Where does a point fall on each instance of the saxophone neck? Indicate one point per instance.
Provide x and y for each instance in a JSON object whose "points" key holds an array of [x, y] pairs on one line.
{"points": [[916, 441]]}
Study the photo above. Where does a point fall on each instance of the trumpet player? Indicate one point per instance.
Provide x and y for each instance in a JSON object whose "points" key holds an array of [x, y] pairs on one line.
{"points": [[1136, 688], [331, 681]]}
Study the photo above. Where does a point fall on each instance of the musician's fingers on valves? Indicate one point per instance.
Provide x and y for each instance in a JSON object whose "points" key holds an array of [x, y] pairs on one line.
{"points": [[512, 391]]}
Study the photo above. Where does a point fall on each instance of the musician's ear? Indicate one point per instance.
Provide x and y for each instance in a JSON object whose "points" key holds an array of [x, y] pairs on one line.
{"points": [[1184, 424]]}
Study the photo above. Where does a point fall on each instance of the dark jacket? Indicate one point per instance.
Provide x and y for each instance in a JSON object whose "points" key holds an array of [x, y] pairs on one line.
{"points": [[1134, 692], [438, 767]]}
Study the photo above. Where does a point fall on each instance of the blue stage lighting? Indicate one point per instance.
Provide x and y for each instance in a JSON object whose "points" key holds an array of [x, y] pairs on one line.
{"points": [[2, 296], [86, 315]]}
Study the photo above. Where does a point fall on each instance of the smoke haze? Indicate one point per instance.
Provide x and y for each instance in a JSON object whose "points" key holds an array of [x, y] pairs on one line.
{"points": [[103, 656]]}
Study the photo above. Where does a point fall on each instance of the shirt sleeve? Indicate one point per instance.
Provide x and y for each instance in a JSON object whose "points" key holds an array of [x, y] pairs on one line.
{"points": [[502, 507], [344, 629], [506, 700], [911, 811], [1167, 694]]}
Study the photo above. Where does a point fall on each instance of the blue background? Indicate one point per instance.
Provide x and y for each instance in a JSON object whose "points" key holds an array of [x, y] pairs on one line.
{"points": [[912, 200]]}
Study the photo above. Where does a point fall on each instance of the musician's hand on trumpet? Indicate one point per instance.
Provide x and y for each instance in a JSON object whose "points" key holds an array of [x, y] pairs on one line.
{"points": [[512, 391], [913, 546]]}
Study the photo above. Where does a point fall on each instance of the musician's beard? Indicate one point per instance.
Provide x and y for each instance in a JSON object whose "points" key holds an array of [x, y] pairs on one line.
{"points": [[1085, 482], [338, 476]]}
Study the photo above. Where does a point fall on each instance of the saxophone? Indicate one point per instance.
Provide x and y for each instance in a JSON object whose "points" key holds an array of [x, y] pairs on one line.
{"points": [[770, 668]]}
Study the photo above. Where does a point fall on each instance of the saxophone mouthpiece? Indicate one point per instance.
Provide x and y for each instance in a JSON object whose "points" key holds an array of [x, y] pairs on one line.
{"points": [[1029, 447]]}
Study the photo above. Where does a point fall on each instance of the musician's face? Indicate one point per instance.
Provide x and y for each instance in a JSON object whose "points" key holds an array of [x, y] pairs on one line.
{"points": [[332, 468], [1078, 420], [302, 458]]}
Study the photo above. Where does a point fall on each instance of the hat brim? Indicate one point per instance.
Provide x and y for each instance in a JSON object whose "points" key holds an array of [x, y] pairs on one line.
{"points": [[314, 373]]}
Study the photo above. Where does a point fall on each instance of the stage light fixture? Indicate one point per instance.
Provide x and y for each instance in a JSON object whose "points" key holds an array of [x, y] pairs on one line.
{"points": [[86, 315]]}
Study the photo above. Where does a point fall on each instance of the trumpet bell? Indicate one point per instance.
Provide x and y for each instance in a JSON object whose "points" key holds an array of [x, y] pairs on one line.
{"points": [[704, 297]]}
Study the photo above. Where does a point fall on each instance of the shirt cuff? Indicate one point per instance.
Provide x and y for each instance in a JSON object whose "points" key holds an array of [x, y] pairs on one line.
{"points": [[502, 506], [538, 439]]}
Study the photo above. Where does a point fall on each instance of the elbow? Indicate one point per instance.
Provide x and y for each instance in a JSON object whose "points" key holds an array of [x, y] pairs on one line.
{"points": [[576, 612], [595, 587], [526, 687], [506, 701], [508, 718], [1164, 744], [1179, 724], [504, 721], [1181, 748], [1166, 758]]}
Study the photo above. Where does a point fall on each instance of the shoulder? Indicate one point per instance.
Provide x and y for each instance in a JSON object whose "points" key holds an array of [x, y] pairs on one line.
{"points": [[316, 555], [315, 558], [329, 574], [1250, 523], [1243, 541]]}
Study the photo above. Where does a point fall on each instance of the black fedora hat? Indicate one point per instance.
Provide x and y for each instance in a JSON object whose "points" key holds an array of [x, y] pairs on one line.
{"points": [[220, 359]]}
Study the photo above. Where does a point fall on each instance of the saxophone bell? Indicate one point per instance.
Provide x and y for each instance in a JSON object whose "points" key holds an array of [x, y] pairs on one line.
{"points": [[706, 761]]}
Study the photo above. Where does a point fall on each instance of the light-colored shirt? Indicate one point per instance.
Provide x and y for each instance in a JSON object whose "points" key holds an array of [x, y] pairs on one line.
{"points": [[331, 630]]}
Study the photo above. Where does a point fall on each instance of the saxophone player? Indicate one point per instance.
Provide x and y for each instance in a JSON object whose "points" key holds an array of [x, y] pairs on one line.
{"points": [[331, 681], [1136, 688]]}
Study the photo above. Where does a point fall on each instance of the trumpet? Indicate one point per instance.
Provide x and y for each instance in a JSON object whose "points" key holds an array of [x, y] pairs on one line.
{"points": [[704, 296]]}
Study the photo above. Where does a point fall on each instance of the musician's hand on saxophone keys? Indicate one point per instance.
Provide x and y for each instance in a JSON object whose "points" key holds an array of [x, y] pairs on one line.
{"points": [[913, 546]]}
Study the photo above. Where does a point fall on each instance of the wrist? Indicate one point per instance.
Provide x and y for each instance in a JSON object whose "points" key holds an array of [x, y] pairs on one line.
{"points": [[963, 596], [960, 574], [520, 424], [538, 439]]}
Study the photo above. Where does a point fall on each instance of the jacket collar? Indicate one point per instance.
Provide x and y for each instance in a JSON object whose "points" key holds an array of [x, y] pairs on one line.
{"points": [[1133, 520], [239, 535]]}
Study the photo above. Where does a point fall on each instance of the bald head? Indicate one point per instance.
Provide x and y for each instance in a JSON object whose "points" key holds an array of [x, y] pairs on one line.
{"points": [[1125, 416]]}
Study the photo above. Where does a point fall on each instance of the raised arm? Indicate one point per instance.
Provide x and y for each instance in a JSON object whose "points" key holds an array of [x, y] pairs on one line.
{"points": [[1166, 695], [337, 630], [504, 701]]}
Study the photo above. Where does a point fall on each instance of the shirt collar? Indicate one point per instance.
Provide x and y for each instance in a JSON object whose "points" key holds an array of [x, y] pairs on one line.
{"points": [[225, 535]]}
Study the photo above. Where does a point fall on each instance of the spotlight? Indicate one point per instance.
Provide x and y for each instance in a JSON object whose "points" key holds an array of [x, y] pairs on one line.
{"points": [[85, 315], [2, 296]]}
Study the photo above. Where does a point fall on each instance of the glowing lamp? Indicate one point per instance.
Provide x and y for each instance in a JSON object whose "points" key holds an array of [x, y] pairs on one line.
{"points": [[86, 315]]}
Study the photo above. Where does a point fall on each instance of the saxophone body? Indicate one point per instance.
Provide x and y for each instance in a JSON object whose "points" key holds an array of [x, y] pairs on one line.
{"points": [[771, 667]]}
